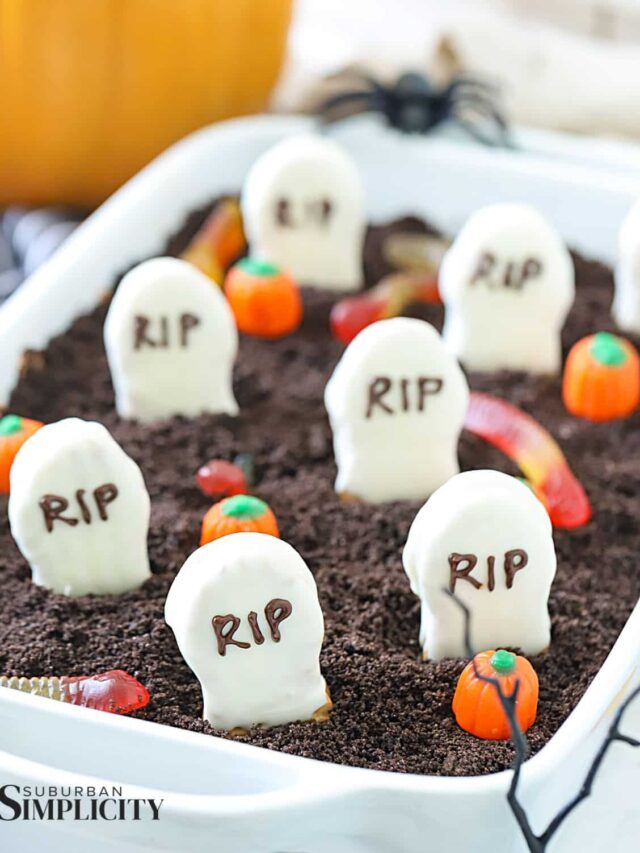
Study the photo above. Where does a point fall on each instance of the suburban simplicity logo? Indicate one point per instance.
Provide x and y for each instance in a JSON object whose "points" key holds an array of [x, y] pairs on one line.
{"points": [[74, 802]]}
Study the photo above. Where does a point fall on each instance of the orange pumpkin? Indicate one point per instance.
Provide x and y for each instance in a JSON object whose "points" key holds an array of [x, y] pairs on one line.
{"points": [[91, 90], [602, 378], [238, 514], [266, 301], [476, 703], [14, 431]]}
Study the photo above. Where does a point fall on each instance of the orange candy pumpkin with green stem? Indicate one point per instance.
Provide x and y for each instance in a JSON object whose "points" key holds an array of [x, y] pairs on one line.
{"points": [[476, 703], [602, 378], [265, 300], [238, 514], [14, 431]]}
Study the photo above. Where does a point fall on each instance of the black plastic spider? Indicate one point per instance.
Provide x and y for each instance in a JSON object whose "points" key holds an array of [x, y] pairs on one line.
{"points": [[414, 105]]}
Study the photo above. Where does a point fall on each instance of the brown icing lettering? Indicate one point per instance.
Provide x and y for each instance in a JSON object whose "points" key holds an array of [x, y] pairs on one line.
{"points": [[84, 509], [514, 276], [258, 636], [225, 638], [276, 611], [404, 390], [316, 211], [456, 573], [531, 269], [491, 574], [52, 507], [140, 326], [187, 323], [514, 561], [164, 333], [511, 279], [378, 387], [103, 496], [283, 214], [485, 264], [427, 385], [141, 337], [225, 627]]}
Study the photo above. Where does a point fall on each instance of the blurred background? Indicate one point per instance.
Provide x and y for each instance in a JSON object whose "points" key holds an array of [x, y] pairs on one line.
{"points": [[91, 91]]}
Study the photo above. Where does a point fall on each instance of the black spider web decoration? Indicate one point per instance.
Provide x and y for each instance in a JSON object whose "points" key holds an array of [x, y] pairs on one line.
{"points": [[540, 843]]}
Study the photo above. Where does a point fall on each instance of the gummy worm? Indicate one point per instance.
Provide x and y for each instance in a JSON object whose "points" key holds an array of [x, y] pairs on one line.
{"points": [[114, 691], [536, 453]]}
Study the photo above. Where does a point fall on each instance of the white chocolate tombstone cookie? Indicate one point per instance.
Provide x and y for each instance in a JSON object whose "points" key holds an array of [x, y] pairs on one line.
{"points": [[303, 209], [396, 402], [248, 622], [626, 301], [486, 537], [171, 341], [507, 283], [79, 510]]}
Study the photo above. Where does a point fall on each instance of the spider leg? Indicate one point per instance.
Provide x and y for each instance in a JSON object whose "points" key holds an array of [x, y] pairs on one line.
{"points": [[499, 137], [486, 139], [353, 74], [478, 103], [463, 89], [487, 118], [471, 82], [376, 98], [362, 101], [346, 98], [359, 75], [378, 87], [466, 112], [470, 90]]}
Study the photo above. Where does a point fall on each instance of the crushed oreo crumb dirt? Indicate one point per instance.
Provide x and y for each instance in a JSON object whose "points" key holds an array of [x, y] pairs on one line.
{"points": [[391, 710]]}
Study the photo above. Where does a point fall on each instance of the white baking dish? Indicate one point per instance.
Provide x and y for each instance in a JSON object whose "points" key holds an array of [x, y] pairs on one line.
{"points": [[233, 797]]}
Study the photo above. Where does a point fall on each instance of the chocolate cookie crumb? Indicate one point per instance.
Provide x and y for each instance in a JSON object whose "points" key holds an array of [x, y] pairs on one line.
{"points": [[391, 710]]}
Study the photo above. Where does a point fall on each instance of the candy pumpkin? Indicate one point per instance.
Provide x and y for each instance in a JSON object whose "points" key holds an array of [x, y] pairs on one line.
{"points": [[266, 302], [238, 514], [14, 431], [602, 378], [476, 703], [91, 90]]}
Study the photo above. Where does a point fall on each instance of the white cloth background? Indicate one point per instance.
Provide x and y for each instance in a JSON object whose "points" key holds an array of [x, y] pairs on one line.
{"points": [[564, 64]]}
